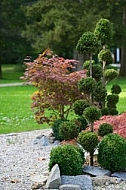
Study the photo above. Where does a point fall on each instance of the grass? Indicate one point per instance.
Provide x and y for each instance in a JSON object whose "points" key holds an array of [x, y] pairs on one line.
{"points": [[15, 102]]}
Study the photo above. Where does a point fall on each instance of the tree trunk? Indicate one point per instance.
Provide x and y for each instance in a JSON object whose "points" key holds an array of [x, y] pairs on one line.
{"points": [[122, 72], [91, 158]]}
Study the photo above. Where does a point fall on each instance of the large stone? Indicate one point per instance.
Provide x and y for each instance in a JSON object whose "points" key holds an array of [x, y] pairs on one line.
{"points": [[96, 171], [84, 181], [104, 180], [121, 175], [69, 187], [54, 179], [44, 141]]}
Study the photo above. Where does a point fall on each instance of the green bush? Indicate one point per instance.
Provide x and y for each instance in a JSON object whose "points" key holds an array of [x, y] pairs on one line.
{"points": [[113, 99], [82, 123], [105, 111], [112, 152], [105, 129], [97, 72], [86, 64], [68, 130], [81, 151], [88, 140], [113, 111], [92, 114], [105, 55], [87, 85], [68, 158], [79, 106], [100, 92], [55, 129], [110, 74], [116, 89]]}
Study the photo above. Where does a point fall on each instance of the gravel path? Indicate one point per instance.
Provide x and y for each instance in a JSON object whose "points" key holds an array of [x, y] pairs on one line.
{"points": [[20, 160]]}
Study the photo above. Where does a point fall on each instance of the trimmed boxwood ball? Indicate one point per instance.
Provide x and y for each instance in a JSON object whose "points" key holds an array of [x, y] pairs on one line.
{"points": [[116, 89], [113, 111], [79, 106], [87, 85], [105, 111], [112, 152], [97, 72], [92, 113], [88, 140], [104, 129], [86, 64], [110, 74], [81, 151], [68, 130], [105, 55], [68, 158]]}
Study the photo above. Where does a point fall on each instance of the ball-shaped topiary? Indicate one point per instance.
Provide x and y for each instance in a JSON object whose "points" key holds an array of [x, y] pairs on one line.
{"points": [[105, 55], [55, 129], [88, 140], [68, 158], [87, 85], [92, 113], [113, 111], [112, 152], [86, 64], [88, 43], [81, 151], [105, 111], [116, 89], [104, 129], [97, 72], [110, 74], [79, 106], [104, 31], [112, 99], [68, 130], [100, 92], [82, 123]]}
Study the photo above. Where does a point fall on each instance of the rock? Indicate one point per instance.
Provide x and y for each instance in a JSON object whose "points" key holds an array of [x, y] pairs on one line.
{"points": [[96, 171], [39, 178], [36, 186], [54, 179], [104, 180], [84, 181], [44, 141], [121, 175], [69, 187], [56, 142]]}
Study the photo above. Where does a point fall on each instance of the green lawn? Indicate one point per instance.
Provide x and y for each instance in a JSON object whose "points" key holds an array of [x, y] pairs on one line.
{"points": [[15, 103]]}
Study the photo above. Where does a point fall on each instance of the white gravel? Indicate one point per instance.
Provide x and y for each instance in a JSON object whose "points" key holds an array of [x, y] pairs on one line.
{"points": [[20, 160]]}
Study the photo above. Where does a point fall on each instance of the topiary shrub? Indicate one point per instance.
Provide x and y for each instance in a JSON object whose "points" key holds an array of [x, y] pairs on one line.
{"points": [[112, 152], [116, 89], [55, 129], [110, 74], [68, 130], [68, 158], [81, 151], [105, 129], [86, 64], [82, 123], [113, 99], [97, 72], [100, 92], [105, 111], [79, 106], [87, 85], [105, 55], [89, 142], [113, 111]]}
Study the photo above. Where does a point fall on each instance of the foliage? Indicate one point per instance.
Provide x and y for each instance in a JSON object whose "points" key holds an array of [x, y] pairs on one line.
{"points": [[112, 100], [105, 55], [88, 43], [105, 129], [110, 74], [112, 152], [113, 111], [92, 113], [55, 129], [68, 158], [82, 123], [57, 86], [86, 64], [104, 31], [80, 150], [68, 130], [87, 85], [97, 72], [105, 111], [79, 106], [100, 93], [116, 89]]}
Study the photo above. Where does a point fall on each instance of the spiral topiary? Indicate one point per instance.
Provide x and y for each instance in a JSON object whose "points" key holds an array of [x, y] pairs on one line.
{"points": [[68, 130], [79, 106], [104, 129], [112, 152], [116, 89], [68, 159]]}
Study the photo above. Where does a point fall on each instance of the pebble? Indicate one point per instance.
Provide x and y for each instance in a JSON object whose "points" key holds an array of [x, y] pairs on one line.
{"points": [[21, 160]]}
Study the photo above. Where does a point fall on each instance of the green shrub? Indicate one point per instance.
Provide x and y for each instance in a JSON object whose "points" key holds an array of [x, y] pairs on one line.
{"points": [[68, 158], [92, 114], [79, 106], [55, 129], [105, 129], [110, 74], [86, 64], [87, 85], [88, 140], [113, 111], [116, 89], [68, 130], [105, 55], [81, 151], [105, 111], [100, 92], [112, 152], [97, 72], [82, 123], [113, 99]]}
